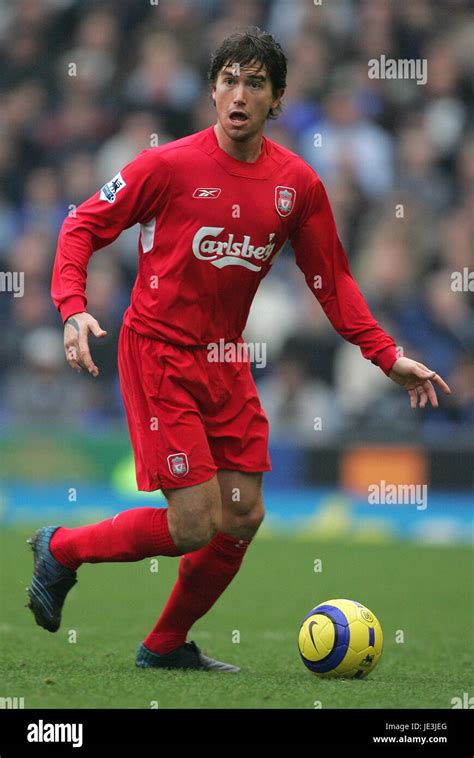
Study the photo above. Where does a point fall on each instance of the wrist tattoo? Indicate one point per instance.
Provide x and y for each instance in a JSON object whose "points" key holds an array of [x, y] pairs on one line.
{"points": [[73, 323]]}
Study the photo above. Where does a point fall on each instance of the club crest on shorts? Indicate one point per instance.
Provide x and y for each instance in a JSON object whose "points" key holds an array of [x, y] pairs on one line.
{"points": [[178, 464], [284, 200]]}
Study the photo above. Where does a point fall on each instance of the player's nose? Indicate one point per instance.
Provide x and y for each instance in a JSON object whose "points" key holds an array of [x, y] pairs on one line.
{"points": [[239, 95]]}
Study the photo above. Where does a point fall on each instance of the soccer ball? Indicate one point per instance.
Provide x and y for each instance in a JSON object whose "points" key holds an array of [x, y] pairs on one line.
{"points": [[340, 638]]}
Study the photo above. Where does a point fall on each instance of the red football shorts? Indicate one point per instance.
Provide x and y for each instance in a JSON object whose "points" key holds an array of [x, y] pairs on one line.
{"points": [[188, 417]]}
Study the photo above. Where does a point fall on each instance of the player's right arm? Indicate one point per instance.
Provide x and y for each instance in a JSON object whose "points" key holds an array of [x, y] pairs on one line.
{"points": [[76, 341], [134, 195]]}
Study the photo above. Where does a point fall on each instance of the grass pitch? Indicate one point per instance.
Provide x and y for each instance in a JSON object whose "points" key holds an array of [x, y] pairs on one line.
{"points": [[422, 595]]}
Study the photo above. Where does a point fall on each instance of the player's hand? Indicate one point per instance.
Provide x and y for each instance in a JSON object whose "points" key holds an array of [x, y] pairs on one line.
{"points": [[418, 380], [76, 341]]}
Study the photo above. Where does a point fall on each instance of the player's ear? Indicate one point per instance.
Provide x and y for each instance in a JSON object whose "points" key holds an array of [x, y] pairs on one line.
{"points": [[278, 97]]}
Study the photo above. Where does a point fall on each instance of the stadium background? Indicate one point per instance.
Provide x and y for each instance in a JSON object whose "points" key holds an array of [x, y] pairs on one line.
{"points": [[140, 72], [84, 86]]}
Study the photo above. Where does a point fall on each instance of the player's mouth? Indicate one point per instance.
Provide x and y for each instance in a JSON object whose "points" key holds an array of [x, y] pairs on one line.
{"points": [[238, 118]]}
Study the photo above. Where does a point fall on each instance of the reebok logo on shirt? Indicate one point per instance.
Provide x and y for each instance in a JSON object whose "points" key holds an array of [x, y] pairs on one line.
{"points": [[207, 193]]}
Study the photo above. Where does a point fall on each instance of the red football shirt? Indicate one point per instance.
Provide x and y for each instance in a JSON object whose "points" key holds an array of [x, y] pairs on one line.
{"points": [[211, 228]]}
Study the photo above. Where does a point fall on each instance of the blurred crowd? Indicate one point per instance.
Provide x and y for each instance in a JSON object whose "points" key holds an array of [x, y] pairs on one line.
{"points": [[84, 87]]}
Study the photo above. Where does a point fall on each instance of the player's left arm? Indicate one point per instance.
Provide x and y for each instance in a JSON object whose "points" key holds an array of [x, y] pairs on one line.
{"points": [[418, 380], [320, 255]]}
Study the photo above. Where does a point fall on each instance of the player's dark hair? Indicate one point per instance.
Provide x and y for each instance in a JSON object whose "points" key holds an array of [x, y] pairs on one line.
{"points": [[252, 46]]}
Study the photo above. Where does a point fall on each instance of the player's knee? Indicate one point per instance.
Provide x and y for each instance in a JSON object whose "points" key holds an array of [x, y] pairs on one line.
{"points": [[194, 535], [194, 526], [246, 520], [255, 516]]}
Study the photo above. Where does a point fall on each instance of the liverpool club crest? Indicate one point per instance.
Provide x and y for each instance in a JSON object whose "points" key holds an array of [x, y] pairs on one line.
{"points": [[178, 464], [284, 200]]}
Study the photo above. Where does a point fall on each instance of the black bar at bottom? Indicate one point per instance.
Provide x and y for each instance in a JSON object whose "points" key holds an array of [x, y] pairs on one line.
{"points": [[168, 732]]}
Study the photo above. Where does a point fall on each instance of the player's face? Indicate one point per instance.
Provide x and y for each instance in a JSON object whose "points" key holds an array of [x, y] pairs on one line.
{"points": [[243, 96]]}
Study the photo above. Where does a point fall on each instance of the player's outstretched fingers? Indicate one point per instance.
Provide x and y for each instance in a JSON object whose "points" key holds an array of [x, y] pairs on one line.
{"points": [[85, 357], [423, 371], [96, 329], [413, 398], [71, 357], [441, 384], [434, 377], [424, 395], [430, 393], [76, 341]]}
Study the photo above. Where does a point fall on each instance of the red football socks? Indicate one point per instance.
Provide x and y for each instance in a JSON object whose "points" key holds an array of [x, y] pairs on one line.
{"points": [[129, 536], [203, 576]]}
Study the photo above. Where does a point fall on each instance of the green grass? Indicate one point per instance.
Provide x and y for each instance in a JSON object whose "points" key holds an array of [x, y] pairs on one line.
{"points": [[423, 591]]}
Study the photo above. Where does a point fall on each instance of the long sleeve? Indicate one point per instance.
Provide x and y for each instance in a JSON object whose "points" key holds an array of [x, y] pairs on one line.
{"points": [[320, 255], [132, 196]]}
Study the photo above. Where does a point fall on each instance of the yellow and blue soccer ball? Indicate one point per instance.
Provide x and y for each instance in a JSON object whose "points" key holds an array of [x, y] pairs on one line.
{"points": [[340, 638]]}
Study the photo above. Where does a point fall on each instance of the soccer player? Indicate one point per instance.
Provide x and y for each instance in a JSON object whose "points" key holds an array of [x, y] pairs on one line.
{"points": [[215, 209]]}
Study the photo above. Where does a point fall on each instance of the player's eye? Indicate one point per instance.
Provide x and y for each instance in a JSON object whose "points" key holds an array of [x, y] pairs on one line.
{"points": [[256, 85], [228, 80]]}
